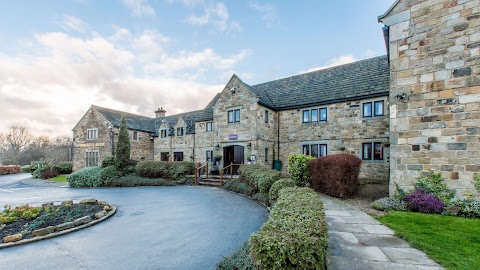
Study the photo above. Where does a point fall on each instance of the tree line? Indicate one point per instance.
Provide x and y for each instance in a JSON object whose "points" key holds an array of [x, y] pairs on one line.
{"points": [[19, 147]]}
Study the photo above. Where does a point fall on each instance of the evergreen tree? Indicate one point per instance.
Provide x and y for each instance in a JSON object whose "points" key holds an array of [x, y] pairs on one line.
{"points": [[122, 155]]}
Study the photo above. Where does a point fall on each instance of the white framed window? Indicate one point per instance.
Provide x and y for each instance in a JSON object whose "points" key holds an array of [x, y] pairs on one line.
{"points": [[315, 115], [233, 116], [91, 158], [373, 108], [209, 126], [315, 149], [179, 131], [372, 151], [134, 135], [92, 134]]}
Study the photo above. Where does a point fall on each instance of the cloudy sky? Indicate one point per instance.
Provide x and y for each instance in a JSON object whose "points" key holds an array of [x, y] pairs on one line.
{"points": [[59, 57]]}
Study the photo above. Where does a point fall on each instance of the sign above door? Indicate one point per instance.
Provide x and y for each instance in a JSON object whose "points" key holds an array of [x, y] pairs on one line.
{"points": [[233, 137]]}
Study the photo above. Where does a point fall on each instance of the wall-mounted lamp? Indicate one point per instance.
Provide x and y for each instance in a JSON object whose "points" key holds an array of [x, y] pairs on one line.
{"points": [[401, 96], [217, 146], [249, 145]]}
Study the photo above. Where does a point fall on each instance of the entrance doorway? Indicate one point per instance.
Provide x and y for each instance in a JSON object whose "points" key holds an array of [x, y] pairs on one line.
{"points": [[233, 154]]}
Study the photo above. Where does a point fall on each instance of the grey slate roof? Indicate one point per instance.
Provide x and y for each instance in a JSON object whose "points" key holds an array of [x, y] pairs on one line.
{"points": [[134, 121], [366, 78]]}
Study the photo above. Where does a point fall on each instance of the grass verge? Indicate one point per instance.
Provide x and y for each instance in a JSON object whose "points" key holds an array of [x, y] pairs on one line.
{"points": [[60, 178], [453, 242]]}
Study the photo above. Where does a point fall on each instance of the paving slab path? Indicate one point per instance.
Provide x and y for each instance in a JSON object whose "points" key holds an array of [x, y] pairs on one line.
{"points": [[358, 241]]}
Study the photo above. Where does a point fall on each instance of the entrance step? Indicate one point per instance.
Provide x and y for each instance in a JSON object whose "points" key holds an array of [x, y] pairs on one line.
{"points": [[209, 182]]}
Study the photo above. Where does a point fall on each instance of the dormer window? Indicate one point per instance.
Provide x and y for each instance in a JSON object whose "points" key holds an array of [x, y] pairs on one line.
{"points": [[92, 134], [163, 133], [180, 132], [234, 116]]}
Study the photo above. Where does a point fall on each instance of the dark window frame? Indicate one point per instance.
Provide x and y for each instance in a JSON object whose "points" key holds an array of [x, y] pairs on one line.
{"points": [[266, 154], [164, 156], [320, 119], [319, 147], [306, 119], [234, 119], [308, 115], [180, 131], [372, 155], [370, 104], [135, 136], [375, 108], [163, 133], [209, 155], [177, 156], [266, 116]]}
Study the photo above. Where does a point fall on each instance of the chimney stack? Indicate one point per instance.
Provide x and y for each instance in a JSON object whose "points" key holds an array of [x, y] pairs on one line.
{"points": [[160, 113]]}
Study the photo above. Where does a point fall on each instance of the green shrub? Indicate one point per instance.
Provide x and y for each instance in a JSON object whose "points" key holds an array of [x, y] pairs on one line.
{"points": [[38, 169], [434, 183], [260, 177], [64, 167], [277, 186], [26, 169], [262, 197], [476, 178], [136, 181], [469, 208], [108, 161], [389, 204], [239, 186], [238, 260], [163, 169], [86, 177], [108, 174], [298, 169], [122, 153], [20, 212], [295, 236]]}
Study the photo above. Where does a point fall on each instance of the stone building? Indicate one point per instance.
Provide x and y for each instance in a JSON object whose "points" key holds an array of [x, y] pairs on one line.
{"points": [[414, 110], [96, 134], [434, 50]]}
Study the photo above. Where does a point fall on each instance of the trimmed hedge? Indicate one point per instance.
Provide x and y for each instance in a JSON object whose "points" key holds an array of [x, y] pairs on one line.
{"points": [[298, 169], [277, 186], [295, 236], [64, 167], [162, 169], [137, 181], [238, 260], [86, 177], [260, 177], [108, 174], [9, 170], [335, 175], [239, 186]]}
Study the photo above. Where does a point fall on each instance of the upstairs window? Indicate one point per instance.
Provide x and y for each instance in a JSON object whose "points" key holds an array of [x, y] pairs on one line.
{"points": [[315, 115], [134, 136], [372, 151], [315, 149], [266, 116], [180, 132], [92, 133], [234, 116], [370, 109], [209, 126], [163, 133]]}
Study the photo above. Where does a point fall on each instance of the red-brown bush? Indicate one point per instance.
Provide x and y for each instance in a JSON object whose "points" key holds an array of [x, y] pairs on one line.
{"points": [[9, 170], [335, 175], [49, 173]]}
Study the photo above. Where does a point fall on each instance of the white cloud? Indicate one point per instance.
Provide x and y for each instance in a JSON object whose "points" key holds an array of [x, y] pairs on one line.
{"points": [[53, 80], [267, 11], [341, 60], [187, 3], [72, 23], [139, 8], [216, 15]]}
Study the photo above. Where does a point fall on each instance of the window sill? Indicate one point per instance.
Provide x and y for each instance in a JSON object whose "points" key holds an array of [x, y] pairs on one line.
{"points": [[314, 123]]}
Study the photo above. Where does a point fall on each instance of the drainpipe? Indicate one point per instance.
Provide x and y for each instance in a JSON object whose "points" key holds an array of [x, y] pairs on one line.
{"points": [[278, 135]]}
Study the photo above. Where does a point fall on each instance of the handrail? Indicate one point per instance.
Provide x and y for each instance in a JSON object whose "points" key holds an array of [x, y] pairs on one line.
{"points": [[197, 172], [231, 171]]}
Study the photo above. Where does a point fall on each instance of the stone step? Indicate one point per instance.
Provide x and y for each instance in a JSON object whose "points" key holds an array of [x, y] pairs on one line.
{"points": [[209, 183]]}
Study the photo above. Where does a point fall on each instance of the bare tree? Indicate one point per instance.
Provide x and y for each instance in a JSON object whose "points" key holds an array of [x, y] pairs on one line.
{"points": [[17, 138]]}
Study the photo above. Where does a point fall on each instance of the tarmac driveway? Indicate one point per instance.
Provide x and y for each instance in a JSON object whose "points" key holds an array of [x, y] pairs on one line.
{"points": [[154, 228]]}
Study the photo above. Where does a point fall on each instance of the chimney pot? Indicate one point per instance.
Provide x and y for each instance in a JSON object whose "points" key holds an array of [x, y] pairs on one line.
{"points": [[160, 113]]}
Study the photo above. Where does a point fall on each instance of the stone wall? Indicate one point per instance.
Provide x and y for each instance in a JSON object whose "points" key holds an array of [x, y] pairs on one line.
{"points": [[174, 143], [345, 128], [435, 62]]}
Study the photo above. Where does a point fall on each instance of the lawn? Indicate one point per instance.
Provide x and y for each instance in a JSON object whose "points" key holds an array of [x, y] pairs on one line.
{"points": [[60, 178], [451, 241]]}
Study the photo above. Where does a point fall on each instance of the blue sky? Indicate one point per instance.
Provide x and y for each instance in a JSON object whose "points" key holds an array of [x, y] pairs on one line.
{"points": [[58, 57]]}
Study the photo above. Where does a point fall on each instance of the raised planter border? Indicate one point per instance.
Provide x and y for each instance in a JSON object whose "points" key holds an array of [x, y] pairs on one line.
{"points": [[55, 234]]}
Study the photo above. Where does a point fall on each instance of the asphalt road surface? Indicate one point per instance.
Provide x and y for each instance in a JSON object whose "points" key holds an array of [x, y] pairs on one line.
{"points": [[182, 227]]}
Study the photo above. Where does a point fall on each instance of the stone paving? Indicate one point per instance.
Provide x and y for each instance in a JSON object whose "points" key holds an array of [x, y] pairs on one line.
{"points": [[358, 241]]}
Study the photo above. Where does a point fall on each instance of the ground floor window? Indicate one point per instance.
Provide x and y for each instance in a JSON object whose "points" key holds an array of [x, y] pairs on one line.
{"points": [[91, 158], [372, 151], [315, 150], [209, 155], [164, 156], [177, 156]]}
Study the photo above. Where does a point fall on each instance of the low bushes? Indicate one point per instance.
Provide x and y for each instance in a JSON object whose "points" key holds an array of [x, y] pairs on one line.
{"points": [[9, 170], [49, 173], [469, 208], [277, 186], [295, 236], [107, 174], [422, 201], [239, 186], [108, 161], [335, 175], [238, 260], [389, 204], [136, 181], [260, 177], [162, 169], [298, 169], [433, 183], [64, 167], [86, 177]]}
